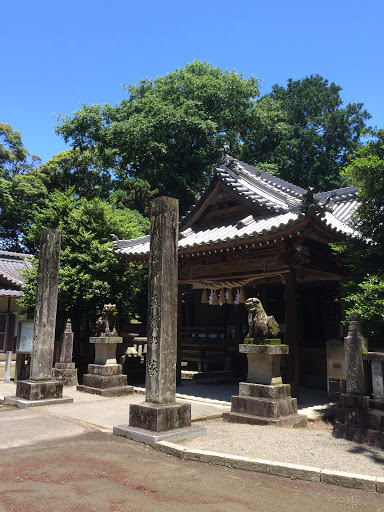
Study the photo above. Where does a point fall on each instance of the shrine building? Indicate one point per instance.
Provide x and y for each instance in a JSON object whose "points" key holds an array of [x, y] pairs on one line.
{"points": [[252, 234]]}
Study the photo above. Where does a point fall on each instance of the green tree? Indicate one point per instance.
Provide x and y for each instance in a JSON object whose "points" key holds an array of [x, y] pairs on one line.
{"points": [[133, 193], [22, 186], [71, 168], [364, 293], [168, 131], [90, 275], [323, 133]]}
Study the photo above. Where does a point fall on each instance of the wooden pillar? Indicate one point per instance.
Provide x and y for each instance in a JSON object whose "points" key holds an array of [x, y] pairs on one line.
{"points": [[238, 332], [291, 330]]}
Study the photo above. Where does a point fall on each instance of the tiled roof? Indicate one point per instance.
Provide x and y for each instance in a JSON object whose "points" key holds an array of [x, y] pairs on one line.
{"points": [[275, 203], [11, 265], [8, 292]]}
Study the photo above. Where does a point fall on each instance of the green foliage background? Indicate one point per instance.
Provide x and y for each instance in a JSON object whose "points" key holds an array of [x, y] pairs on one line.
{"points": [[364, 293], [162, 139], [90, 275]]}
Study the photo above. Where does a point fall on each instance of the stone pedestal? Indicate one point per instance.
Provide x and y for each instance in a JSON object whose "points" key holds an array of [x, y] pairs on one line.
{"points": [[30, 393], [66, 372], [264, 363], [105, 376], [263, 399], [359, 418], [159, 418], [105, 380], [105, 348]]}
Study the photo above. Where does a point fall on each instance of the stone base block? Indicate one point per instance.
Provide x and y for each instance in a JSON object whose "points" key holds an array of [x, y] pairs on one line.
{"points": [[39, 389], [150, 437], [117, 391], [264, 407], [65, 372], [105, 370], [295, 420], [65, 366], [22, 404], [261, 404], [265, 391], [159, 418], [351, 401], [376, 404], [103, 382], [360, 419]]}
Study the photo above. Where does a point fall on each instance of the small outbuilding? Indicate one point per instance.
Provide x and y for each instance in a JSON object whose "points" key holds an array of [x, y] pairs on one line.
{"points": [[252, 234], [12, 264]]}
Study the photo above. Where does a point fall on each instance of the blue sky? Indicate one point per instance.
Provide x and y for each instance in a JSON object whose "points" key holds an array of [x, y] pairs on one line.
{"points": [[59, 54]]}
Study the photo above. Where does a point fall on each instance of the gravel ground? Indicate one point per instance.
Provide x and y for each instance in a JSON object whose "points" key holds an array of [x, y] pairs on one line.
{"points": [[314, 446], [310, 447]]}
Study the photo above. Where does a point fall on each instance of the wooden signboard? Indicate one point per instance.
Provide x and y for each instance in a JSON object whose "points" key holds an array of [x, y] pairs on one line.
{"points": [[24, 337]]}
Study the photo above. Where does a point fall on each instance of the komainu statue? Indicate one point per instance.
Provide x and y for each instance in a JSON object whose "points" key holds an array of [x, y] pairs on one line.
{"points": [[261, 326]]}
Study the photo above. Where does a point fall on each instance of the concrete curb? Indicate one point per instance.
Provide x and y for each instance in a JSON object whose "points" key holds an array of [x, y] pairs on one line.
{"points": [[293, 471]]}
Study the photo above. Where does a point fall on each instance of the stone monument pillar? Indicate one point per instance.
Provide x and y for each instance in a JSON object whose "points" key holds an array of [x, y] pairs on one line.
{"points": [[354, 345], [358, 417], [40, 386], [160, 412], [65, 369]]}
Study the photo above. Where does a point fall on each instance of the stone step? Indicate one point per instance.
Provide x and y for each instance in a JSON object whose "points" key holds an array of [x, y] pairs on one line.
{"points": [[118, 391], [376, 404], [264, 407], [264, 391], [360, 419], [105, 369], [293, 420], [101, 381], [361, 435]]}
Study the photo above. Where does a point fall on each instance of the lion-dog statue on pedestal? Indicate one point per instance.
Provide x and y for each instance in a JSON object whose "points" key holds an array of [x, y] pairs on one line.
{"points": [[261, 326]]}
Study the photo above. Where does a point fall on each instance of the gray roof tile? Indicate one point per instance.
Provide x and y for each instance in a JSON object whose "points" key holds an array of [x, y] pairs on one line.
{"points": [[11, 266], [275, 203]]}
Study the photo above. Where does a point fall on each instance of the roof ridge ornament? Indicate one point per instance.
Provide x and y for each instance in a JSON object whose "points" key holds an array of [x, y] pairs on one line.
{"points": [[312, 206], [223, 156]]}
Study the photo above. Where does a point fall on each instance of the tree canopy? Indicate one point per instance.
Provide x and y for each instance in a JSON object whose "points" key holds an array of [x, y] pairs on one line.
{"points": [[71, 168], [323, 133], [168, 131], [162, 139], [22, 186], [364, 293], [90, 275]]}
